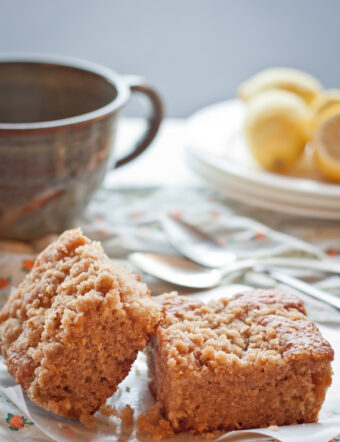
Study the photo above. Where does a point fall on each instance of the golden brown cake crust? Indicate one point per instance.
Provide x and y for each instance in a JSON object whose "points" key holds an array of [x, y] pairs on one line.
{"points": [[249, 361], [72, 329]]}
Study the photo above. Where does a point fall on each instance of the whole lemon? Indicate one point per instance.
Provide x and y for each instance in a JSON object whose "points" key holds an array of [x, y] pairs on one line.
{"points": [[277, 128], [299, 82]]}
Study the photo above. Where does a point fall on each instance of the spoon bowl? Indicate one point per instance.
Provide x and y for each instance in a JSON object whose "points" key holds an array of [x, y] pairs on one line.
{"points": [[177, 270]]}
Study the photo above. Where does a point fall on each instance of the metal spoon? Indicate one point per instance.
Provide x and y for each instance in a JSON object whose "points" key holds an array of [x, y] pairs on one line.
{"points": [[193, 243], [186, 273], [177, 270]]}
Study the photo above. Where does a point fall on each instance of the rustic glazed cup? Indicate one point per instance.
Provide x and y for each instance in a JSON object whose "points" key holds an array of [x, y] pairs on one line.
{"points": [[58, 121]]}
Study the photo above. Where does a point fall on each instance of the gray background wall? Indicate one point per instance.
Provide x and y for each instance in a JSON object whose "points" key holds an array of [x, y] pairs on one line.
{"points": [[195, 51]]}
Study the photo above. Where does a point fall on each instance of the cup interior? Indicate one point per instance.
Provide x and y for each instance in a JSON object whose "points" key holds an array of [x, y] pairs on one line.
{"points": [[33, 92]]}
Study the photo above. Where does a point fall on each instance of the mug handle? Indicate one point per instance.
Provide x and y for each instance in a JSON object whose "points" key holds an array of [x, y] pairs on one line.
{"points": [[137, 84]]}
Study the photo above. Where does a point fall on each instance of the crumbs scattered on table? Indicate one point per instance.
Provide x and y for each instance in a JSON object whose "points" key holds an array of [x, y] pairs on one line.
{"points": [[153, 424], [89, 421], [108, 410], [273, 428], [126, 416]]}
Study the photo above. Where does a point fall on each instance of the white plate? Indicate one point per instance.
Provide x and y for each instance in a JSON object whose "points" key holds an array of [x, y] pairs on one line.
{"points": [[214, 137], [278, 195], [233, 190]]}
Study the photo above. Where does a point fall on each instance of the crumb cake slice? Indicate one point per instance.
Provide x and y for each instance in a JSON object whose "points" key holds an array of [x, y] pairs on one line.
{"points": [[250, 361], [72, 329]]}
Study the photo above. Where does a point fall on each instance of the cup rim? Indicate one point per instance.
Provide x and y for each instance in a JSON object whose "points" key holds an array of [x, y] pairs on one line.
{"points": [[123, 91]]}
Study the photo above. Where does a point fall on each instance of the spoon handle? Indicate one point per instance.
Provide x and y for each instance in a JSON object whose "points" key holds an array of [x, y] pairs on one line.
{"points": [[304, 287], [326, 266]]}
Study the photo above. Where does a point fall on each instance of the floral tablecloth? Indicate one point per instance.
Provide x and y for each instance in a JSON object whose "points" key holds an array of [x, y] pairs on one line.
{"points": [[127, 220]]}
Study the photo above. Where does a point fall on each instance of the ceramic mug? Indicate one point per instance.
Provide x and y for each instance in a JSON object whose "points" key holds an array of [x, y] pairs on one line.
{"points": [[58, 120]]}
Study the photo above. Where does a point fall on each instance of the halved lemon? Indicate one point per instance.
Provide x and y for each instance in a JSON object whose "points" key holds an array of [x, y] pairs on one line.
{"points": [[292, 80], [327, 147], [326, 104], [325, 115], [277, 128], [325, 100]]}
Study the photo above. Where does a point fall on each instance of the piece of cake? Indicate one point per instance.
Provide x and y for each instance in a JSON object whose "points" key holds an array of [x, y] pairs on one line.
{"points": [[72, 329], [249, 361]]}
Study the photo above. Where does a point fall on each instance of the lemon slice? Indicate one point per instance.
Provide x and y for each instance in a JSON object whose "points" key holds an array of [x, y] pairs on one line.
{"points": [[327, 147], [277, 128], [292, 80]]}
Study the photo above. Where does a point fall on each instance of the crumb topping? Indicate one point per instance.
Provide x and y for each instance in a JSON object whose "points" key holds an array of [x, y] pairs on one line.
{"points": [[246, 329]]}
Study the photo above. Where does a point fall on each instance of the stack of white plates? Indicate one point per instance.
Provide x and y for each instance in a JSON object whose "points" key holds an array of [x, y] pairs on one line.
{"points": [[217, 151]]}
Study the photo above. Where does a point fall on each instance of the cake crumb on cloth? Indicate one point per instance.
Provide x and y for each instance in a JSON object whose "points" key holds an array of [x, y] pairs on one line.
{"points": [[273, 428], [153, 424], [126, 416], [108, 410]]}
